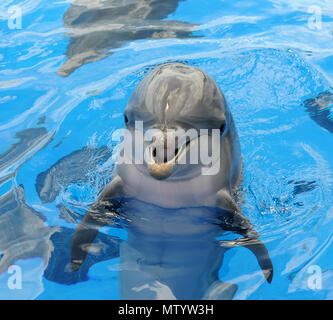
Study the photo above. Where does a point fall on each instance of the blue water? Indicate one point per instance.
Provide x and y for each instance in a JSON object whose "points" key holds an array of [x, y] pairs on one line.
{"points": [[268, 61]]}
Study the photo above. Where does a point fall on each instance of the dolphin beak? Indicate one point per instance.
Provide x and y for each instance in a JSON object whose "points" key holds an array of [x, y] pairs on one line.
{"points": [[161, 170], [161, 165], [164, 155]]}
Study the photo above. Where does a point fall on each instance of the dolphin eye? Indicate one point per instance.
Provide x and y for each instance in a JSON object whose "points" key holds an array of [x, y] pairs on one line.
{"points": [[126, 119], [222, 128]]}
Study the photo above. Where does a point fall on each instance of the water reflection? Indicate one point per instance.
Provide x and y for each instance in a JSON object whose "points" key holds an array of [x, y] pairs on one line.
{"points": [[97, 26], [25, 235], [23, 231], [73, 168], [29, 140]]}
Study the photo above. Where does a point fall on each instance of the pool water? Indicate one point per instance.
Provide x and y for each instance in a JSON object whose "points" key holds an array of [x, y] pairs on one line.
{"points": [[65, 78]]}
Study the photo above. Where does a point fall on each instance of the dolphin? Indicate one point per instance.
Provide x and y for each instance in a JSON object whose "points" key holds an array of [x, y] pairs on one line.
{"points": [[320, 110], [174, 207], [97, 26]]}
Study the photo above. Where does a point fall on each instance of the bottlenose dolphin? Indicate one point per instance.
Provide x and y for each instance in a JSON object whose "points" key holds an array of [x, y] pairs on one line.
{"points": [[97, 26], [321, 110], [167, 255]]}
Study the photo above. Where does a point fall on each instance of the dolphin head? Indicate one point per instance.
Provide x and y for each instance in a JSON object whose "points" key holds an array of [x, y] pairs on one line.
{"points": [[176, 106]]}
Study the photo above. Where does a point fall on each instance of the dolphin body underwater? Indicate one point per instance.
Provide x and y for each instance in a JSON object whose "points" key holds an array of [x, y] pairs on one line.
{"points": [[173, 212], [95, 27]]}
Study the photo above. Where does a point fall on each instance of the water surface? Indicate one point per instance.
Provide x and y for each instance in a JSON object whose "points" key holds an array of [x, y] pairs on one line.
{"points": [[65, 79]]}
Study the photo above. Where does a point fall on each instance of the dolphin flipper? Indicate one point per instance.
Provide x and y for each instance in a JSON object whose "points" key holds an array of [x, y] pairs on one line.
{"points": [[234, 220], [220, 291], [261, 253], [258, 249], [99, 215], [251, 241], [58, 268]]}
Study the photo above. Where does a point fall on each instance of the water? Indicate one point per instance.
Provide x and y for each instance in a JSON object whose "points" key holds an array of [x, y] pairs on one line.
{"points": [[63, 90]]}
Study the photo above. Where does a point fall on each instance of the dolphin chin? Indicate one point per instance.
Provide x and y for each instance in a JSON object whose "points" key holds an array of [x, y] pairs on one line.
{"points": [[161, 170]]}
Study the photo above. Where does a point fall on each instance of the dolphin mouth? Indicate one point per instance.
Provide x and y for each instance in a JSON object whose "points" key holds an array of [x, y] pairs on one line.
{"points": [[163, 170]]}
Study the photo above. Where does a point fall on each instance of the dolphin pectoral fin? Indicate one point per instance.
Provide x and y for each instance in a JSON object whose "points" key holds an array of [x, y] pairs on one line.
{"points": [[98, 216], [220, 291], [84, 235], [235, 221], [261, 253], [251, 241], [258, 249]]}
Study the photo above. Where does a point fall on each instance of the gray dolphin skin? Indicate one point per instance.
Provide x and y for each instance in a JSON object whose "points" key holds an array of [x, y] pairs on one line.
{"points": [[320, 110], [97, 26], [175, 211]]}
